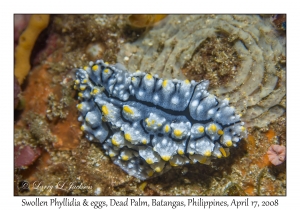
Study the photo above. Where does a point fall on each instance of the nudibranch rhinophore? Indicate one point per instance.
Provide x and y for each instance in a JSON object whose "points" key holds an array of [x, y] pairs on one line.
{"points": [[147, 124]]}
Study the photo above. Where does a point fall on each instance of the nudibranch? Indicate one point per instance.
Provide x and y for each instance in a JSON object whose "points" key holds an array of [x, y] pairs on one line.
{"points": [[147, 124]]}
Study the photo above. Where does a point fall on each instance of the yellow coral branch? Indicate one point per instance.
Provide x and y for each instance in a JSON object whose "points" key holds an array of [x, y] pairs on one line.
{"points": [[27, 40]]}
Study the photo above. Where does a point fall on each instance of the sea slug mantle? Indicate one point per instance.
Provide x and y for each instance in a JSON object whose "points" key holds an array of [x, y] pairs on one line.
{"points": [[147, 124]]}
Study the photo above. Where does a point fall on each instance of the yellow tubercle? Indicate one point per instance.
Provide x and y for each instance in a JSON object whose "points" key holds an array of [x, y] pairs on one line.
{"points": [[165, 83], [80, 94], [166, 157], [229, 143], [77, 81], [150, 173], [82, 87], [207, 153], [186, 81], [80, 106], [37, 24], [85, 68], [75, 87], [143, 185], [127, 137], [180, 152], [203, 160], [114, 142], [125, 157], [84, 81], [105, 110], [149, 161], [149, 76], [133, 79], [243, 128], [112, 154], [158, 169], [95, 67], [144, 141], [167, 129], [222, 150], [178, 132], [213, 128], [106, 71], [106, 63], [95, 91], [82, 128], [173, 164], [220, 132], [201, 129], [149, 123], [127, 110]]}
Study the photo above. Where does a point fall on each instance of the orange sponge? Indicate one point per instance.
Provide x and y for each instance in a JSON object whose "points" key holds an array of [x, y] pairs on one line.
{"points": [[141, 21], [27, 40]]}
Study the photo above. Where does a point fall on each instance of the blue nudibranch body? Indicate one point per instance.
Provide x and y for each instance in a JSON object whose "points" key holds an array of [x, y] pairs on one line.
{"points": [[147, 124]]}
